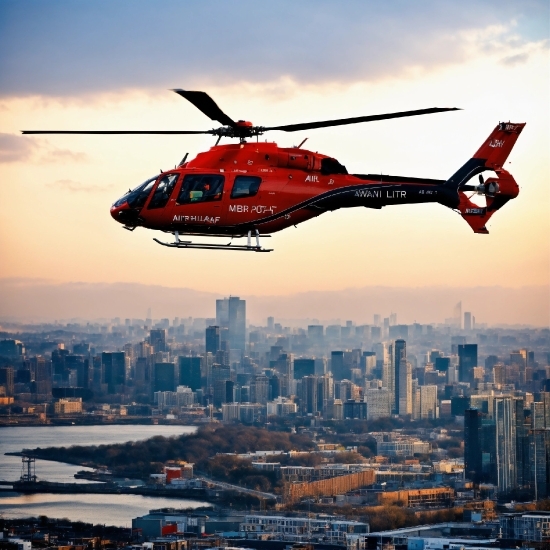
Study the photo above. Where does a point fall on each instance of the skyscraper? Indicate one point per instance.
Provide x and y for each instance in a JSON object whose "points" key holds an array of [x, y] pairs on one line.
{"points": [[164, 377], [467, 321], [213, 340], [467, 360], [303, 367], [472, 445], [231, 314], [190, 372], [157, 338], [401, 378], [504, 413], [114, 370]]}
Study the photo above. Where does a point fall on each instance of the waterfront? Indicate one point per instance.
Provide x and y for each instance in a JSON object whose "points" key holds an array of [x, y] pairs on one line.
{"points": [[115, 510], [108, 509]]}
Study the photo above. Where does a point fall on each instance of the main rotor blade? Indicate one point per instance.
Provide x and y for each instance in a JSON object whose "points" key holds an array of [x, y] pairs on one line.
{"points": [[203, 102], [116, 131], [355, 120]]}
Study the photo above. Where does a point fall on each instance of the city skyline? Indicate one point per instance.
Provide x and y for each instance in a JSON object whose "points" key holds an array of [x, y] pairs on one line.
{"points": [[27, 300], [55, 222]]}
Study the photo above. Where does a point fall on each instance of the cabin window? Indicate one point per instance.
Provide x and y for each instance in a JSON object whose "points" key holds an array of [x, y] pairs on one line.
{"points": [[163, 191], [201, 188], [245, 186]]}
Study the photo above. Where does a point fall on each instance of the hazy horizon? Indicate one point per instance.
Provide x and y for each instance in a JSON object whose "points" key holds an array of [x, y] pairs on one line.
{"points": [[27, 299]]}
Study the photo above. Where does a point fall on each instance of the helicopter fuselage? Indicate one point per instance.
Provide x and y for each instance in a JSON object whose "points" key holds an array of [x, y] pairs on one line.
{"points": [[236, 188]]}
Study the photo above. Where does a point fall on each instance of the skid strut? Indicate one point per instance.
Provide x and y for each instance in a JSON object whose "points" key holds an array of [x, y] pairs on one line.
{"points": [[248, 247]]}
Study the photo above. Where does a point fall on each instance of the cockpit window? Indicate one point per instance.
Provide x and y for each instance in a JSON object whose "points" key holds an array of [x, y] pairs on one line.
{"points": [[201, 188], [137, 197], [332, 166], [245, 186], [163, 191]]}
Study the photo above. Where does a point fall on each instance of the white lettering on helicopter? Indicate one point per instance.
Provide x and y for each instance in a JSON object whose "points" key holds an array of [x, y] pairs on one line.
{"points": [[476, 211], [258, 209], [314, 179], [367, 193], [201, 219], [496, 143], [396, 194]]}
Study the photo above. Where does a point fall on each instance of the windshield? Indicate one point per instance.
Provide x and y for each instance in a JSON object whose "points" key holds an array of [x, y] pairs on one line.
{"points": [[137, 197]]}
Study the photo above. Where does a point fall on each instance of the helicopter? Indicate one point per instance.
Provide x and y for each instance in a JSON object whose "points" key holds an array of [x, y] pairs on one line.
{"points": [[252, 188]]}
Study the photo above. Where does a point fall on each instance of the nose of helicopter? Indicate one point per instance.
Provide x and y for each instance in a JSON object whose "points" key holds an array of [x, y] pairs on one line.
{"points": [[123, 214]]}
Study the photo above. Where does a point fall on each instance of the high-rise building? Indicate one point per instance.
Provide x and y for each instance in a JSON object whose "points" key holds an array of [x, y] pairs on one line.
{"points": [[467, 321], [378, 403], [114, 370], [309, 398], [428, 402], [467, 360], [303, 367], [7, 376], [164, 377], [213, 340], [457, 314], [315, 334], [231, 314], [222, 312], [401, 378], [157, 339], [472, 445], [504, 414], [190, 372]]}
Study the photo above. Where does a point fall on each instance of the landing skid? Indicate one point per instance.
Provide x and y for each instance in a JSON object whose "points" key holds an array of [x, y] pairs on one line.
{"points": [[249, 247]]}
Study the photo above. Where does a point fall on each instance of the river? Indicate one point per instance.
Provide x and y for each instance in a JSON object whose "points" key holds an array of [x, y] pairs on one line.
{"points": [[104, 509]]}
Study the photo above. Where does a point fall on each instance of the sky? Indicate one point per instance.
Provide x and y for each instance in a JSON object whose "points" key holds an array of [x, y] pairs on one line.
{"points": [[111, 65]]}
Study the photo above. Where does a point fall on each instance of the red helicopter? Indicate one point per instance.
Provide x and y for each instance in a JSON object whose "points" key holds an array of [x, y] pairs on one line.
{"points": [[250, 188]]}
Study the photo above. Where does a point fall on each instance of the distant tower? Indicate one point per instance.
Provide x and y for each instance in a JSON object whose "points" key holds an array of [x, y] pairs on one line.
{"points": [[457, 315], [231, 314], [467, 321]]}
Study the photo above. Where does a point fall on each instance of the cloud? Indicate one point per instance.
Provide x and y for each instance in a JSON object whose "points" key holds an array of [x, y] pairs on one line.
{"points": [[77, 186], [14, 148], [64, 156], [105, 46]]}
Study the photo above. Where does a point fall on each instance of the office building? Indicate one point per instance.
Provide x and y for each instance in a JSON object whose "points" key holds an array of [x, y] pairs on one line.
{"points": [[157, 339], [468, 321], [467, 360], [504, 415], [213, 340], [164, 377], [315, 334], [472, 445], [378, 403], [231, 314], [400, 380], [190, 372], [303, 367], [114, 371], [428, 402]]}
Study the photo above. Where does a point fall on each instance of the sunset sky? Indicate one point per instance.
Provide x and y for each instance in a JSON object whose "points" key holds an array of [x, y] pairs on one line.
{"points": [[111, 65]]}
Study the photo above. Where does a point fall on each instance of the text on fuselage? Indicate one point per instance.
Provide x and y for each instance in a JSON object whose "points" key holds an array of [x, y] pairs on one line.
{"points": [[377, 194], [254, 209]]}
